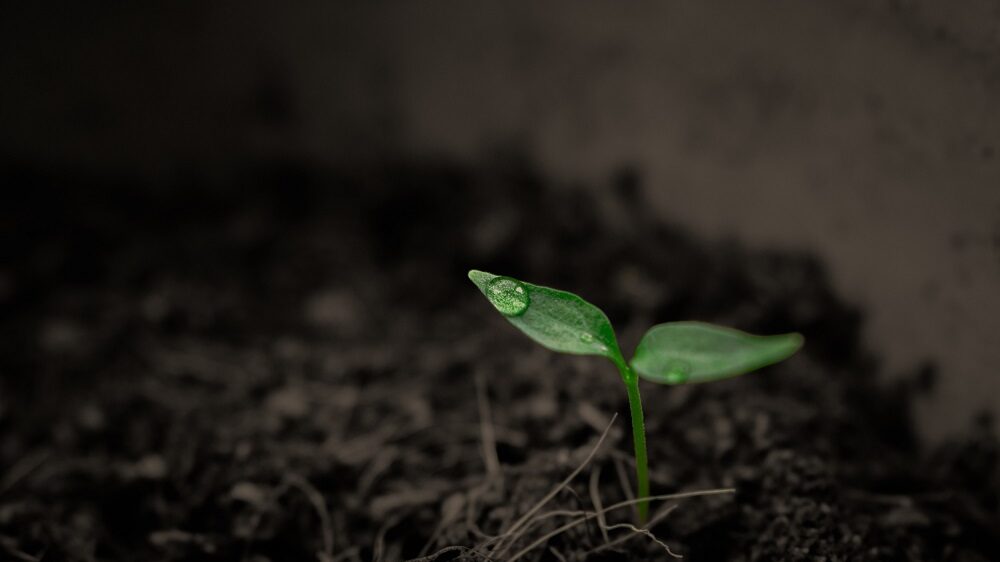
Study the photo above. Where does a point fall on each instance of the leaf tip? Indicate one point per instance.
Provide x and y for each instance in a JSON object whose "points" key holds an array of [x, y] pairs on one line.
{"points": [[480, 278], [786, 345], [795, 342]]}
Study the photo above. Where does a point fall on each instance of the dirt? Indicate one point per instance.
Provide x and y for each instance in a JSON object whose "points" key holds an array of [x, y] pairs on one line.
{"points": [[295, 367]]}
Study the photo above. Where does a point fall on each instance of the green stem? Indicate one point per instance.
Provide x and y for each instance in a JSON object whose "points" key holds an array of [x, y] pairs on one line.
{"points": [[638, 436]]}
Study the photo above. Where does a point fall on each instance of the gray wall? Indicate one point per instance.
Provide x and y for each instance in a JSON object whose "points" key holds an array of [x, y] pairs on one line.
{"points": [[865, 131]]}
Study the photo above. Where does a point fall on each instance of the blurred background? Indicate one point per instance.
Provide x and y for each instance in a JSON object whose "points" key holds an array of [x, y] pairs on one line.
{"points": [[864, 132]]}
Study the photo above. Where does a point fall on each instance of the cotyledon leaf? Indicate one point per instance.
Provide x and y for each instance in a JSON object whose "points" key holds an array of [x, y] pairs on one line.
{"points": [[688, 352], [558, 320]]}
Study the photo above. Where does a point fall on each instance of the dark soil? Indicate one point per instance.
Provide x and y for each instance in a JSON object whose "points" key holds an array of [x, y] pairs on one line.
{"points": [[287, 370]]}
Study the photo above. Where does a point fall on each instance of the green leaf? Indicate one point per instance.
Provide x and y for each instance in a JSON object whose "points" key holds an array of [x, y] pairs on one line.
{"points": [[558, 320], [686, 352]]}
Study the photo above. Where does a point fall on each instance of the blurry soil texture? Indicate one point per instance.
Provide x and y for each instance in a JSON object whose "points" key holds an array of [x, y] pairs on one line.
{"points": [[297, 368]]}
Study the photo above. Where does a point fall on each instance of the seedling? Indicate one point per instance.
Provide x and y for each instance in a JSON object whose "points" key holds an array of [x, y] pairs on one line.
{"points": [[671, 353]]}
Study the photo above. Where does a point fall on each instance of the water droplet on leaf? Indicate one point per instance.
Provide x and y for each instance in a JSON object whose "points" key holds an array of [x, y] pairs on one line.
{"points": [[508, 296], [676, 375], [586, 338]]}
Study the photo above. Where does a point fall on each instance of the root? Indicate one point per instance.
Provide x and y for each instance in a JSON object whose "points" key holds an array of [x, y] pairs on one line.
{"points": [[589, 515], [513, 531]]}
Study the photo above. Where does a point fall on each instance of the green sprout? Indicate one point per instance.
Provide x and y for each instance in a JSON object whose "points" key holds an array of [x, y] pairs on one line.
{"points": [[671, 353]]}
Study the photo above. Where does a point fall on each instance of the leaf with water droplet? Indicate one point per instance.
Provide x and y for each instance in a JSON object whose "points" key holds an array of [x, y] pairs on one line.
{"points": [[688, 352], [556, 319]]}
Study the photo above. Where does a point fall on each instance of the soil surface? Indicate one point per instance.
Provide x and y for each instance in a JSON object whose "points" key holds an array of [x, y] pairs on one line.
{"points": [[297, 368]]}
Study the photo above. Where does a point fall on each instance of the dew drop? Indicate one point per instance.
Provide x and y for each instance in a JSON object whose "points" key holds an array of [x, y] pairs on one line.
{"points": [[677, 375], [508, 296], [586, 338]]}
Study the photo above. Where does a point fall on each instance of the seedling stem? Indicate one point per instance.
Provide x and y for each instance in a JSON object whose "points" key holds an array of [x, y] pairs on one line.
{"points": [[638, 435]]}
